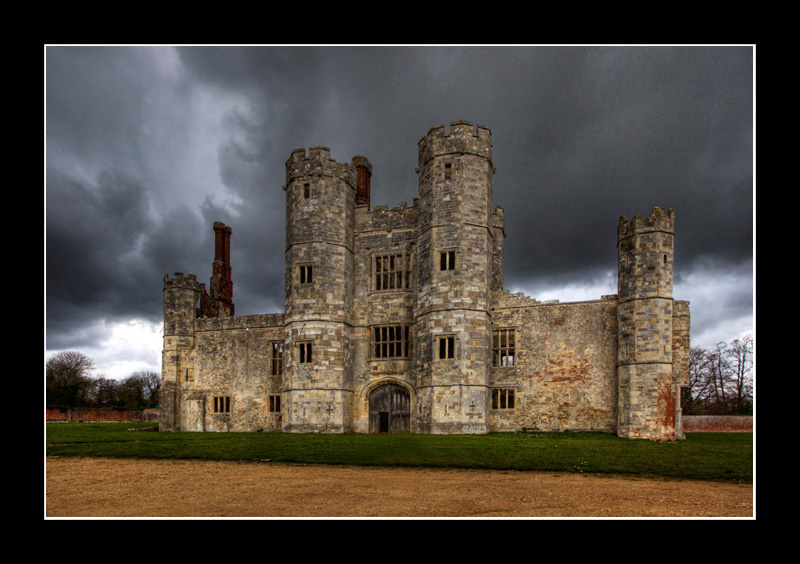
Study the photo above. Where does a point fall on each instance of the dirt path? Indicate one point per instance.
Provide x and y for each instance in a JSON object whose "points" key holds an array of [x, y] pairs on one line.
{"points": [[150, 488]]}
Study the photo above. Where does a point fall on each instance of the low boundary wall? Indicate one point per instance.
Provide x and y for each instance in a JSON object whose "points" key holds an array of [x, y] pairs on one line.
{"points": [[101, 414], [718, 423]]}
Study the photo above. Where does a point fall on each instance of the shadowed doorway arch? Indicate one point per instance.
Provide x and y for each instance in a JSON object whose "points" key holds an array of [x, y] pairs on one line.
{"points": [[389, 410]]}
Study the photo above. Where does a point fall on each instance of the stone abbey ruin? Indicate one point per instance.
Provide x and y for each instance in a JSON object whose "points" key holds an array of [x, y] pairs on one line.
{"points": [[396, 320]]}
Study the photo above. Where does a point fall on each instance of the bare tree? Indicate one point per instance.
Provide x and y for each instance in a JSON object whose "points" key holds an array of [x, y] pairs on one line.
{"points": [[104, 392], [67, 378], [740, 361], [720, 379], [140, 389]]}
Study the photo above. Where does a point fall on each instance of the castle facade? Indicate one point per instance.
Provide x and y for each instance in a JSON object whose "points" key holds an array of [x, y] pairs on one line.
{"points": [[396, 320]]}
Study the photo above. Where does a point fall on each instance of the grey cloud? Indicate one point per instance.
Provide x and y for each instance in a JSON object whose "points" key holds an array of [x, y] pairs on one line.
{"points": [[581, 136]]}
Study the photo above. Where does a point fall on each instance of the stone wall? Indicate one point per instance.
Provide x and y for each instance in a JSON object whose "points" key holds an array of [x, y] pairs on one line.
{"points": [[564, 369], [717, 424], [97, 414]]}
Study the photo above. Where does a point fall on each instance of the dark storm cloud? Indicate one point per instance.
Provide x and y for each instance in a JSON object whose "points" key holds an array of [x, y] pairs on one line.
{"points": [[147, 147]]}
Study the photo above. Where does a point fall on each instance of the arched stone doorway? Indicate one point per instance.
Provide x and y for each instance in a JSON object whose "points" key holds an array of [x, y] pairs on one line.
{"points": [[389, 409]]}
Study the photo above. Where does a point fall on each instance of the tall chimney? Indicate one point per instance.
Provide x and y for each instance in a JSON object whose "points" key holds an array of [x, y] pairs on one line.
{"points": [[221, 282], [363, 177]]}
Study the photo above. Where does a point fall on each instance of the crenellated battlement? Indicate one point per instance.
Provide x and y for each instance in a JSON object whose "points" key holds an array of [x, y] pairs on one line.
{"points": [[318, 162], [464, 137], [182, 281], [658, 221], [384, 218]]}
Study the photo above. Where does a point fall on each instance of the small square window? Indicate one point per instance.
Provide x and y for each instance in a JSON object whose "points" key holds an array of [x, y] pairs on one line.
{"points": [[304, 352], [503, 347], [447, 347], [503, 398], [222, 404], [447, 260]]}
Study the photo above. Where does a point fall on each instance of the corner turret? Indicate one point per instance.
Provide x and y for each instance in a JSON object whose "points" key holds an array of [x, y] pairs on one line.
{"points": [[647, 391]]}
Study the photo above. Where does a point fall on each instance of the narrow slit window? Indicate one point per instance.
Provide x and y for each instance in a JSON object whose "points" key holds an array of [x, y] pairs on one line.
{"points": [[276, 358], [306, 191], [306, 274]]}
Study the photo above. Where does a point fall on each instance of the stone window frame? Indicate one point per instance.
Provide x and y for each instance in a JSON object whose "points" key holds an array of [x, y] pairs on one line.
{"points": [[503, 399], [446, 347], [274, 403], [385, 280], [276, 361], [501, 353], [448, 168], [305, 274], [305, 352], [448, 260], [221, 405], [385, 338]]}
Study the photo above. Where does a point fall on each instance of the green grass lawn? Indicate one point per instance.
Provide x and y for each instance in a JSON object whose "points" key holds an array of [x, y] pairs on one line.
{"points": [[703, 456]]}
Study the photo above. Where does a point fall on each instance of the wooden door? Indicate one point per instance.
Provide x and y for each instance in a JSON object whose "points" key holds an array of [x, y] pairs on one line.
{"points": [[389, 410]]}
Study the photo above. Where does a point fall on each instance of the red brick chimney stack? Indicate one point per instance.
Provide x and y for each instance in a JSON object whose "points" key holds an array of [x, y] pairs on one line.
{"points": [[363, 179]]}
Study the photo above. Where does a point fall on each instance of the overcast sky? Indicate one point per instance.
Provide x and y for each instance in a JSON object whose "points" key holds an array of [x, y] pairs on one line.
{"points": [[147, 146]]}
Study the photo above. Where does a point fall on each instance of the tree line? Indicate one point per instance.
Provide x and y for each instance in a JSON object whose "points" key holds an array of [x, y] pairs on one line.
{"points": [[69, 383], [720, 379]]}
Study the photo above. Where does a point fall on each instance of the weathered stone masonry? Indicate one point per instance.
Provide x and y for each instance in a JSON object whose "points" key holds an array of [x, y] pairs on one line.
{"points": [[396, 319]]}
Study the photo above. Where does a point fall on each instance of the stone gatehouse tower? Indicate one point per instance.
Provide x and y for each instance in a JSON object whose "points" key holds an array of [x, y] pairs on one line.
{"points": [[396, 319]]}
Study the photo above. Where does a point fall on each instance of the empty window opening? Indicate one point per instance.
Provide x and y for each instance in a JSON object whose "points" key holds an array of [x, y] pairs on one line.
{"points": [[276, 358], [391, 341], [392, 272], [447, 260], [448, 171], [665, 259], [503, 347], [503, 398], [275, 404], [447, 347], [306, 274], [306, 191], [222, 404], [304, 352]]}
